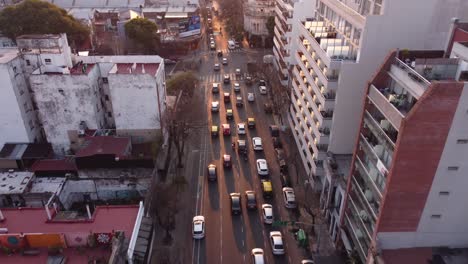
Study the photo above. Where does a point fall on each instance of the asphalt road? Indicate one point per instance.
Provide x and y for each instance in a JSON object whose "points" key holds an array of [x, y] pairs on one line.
{"points": [[230, 239]]}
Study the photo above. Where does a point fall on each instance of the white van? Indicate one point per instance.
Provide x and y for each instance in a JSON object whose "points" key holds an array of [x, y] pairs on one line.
{"points": [[231, 44]]}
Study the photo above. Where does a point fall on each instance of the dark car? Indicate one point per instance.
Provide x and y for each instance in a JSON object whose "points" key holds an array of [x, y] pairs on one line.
{"points": [[227, 161], [212, 174], [279, 154], [235, 203], [261, 83], [268, 108], [220, 53], [248, 80], [285, 180], [274, 131], [277, 143], [239, 101], [251, 200]]}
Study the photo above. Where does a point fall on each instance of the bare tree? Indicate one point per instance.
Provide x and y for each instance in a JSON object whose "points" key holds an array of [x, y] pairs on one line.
{"points": [[164, 209]]}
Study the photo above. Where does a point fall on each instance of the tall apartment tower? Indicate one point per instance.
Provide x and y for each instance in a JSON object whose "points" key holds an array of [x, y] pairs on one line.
{"points": [[408, 173], [286, 13], [339, 46]]}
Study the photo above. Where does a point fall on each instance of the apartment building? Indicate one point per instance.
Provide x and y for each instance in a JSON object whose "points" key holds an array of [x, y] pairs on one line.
{"points": [[71, 94], [407, 181]]}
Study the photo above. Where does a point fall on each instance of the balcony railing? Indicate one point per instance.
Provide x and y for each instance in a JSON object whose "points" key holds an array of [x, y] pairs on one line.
{"points": [[356, 236], [393, 115], [414, 75], [378, 131]]}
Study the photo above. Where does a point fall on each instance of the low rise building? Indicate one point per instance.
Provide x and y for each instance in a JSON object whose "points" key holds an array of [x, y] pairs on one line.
{"points": [[256, 14], [65, 94]]}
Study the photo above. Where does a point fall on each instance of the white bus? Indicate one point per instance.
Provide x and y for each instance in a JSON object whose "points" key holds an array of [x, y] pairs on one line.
{"points": [[231, 44]]}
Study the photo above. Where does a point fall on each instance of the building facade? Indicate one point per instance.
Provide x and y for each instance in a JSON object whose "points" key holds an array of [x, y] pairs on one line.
{"points": [[407, 180], [256, 14], [337, 51], [71, 94]]}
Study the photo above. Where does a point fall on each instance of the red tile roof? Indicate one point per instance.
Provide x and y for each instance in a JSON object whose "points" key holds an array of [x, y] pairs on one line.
{"points": [[407, 255], [54, 165], [137, 68], [105, 219], [105, 145]]}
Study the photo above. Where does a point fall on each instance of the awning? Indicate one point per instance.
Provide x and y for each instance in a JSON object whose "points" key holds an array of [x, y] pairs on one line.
{"points": [[176, 15]]}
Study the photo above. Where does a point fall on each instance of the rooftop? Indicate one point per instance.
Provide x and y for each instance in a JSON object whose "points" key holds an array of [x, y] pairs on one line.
{"points": [[8, 54], [54, 165], [39, 36], [15, 182], [103, 145], [81, 68], [426, 255], [135, 68], [104, 220], [47, 185]]}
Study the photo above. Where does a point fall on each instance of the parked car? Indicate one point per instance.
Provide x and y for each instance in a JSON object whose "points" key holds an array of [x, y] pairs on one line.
{"points": [[262, 167], [250, 97], [274, 131], [212, 172], [198, 227], [236, 207], [289, 198], [251, 200], [267, 213], [277, 142], [284, 178], [279, 154], [257, 143], [276, 242], [268, 108], [257, 256]]}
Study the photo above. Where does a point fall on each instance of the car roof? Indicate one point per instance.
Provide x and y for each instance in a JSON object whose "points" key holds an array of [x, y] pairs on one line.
{"points": [[229, 110], [256, 138], [277, 238], [199, 218], [226, 157], [241, 125], [225, 125], [261, 160], [250, 119]]}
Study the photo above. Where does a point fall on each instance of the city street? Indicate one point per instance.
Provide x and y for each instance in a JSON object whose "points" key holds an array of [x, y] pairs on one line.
{"points": [[230, 238]]}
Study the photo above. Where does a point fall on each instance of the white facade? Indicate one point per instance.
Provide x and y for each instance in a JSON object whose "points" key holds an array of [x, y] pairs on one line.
{"points": [[337, 56], [18, 119], [256, 14], [67, 90]]}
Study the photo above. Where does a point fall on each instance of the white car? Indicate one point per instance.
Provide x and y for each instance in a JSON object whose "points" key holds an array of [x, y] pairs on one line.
{"points": [[236, 87], [198, 227], [212, 45], [262, 167], [238, 72], [257, 143], [215, 106], [276, 242], [289, 197], [241, 129], [263, 89], [225, 62], [307, 261], [257, 256], [267, 214], [250, 97]]}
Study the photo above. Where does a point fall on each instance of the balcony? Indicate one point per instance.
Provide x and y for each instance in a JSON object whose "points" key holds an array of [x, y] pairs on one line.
{"points": [[388, 105], [376, 182], [378, 150], [410, 78], [381, 128], [364, 195], [357, 236]]}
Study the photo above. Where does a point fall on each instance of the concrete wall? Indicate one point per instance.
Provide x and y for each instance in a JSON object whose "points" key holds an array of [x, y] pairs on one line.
{"points": [[137, 100], [101, 189], [18, 120], [64, 101]]}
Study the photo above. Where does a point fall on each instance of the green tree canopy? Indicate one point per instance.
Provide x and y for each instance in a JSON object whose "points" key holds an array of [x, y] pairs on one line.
{"points": [[142, 31], [270, 25], [40, 17], [182, 81]]}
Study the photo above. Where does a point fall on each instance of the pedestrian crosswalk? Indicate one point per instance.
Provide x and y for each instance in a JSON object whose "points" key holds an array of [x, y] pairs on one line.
{"points": [[219, 77], [225, 51]]}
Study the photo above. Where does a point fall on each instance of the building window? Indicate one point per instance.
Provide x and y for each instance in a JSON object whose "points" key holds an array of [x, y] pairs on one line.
{"points": [[14, 69], [106, 97], [109, 114], [48, 61], [462, 141], [444, 193], [60, 91], [452, 168], [436, 216], [105, 80], [28, 63]]}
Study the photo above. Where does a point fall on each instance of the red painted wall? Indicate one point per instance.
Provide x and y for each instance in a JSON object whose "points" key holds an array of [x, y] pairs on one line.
{"points": [[418, 150], [459, 35]]}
